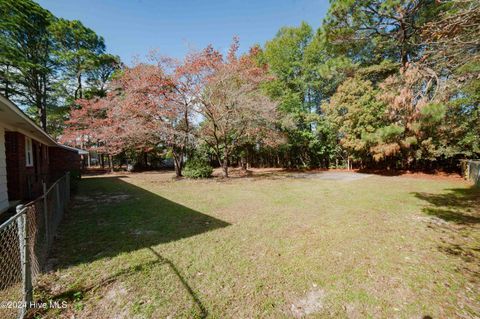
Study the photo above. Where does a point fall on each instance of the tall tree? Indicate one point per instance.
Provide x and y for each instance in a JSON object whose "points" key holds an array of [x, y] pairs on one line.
{"points": [[26, 61], [78, 51], [369, 31], [234, 107], [103, 68], [285, 56], [44, 60], [356, 113], [186, 84], [410, 110], [452, 50], [147, 106]]}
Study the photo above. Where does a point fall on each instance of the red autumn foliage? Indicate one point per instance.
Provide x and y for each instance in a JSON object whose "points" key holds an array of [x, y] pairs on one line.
{"points": [[157, 104]]}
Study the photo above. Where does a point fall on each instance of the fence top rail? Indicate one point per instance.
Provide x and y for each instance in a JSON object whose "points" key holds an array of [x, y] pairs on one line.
{"points": [[20, 210], [47, 191]]}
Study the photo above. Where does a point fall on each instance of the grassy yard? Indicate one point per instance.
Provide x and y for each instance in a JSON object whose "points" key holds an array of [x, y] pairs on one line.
{"points": [[147, 246]]}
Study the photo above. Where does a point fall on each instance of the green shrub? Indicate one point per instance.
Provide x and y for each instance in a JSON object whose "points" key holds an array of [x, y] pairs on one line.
{"points": [[197, 168]]}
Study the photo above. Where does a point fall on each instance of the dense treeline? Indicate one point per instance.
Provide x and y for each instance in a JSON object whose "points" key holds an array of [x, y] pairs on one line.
{"points": [[46, 63], [381, 84], [391, 84]]}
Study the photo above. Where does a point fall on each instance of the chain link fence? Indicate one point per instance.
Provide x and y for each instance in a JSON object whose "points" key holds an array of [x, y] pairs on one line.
{"points": [[471, 170], [11, 289], [25, 240]]}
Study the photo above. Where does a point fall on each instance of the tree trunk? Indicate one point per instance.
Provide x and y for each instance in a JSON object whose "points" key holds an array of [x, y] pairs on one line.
{"points": [[225, 163], [243, 163], [225, 168], [43, 117], [145, 160], [41, 109], [110, 162], [178, 168], [403, 40], [6, 92], [78, 91], [178, 163]]}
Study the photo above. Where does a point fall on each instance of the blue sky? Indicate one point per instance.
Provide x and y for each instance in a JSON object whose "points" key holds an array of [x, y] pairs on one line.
{"points": [[134, 27]]}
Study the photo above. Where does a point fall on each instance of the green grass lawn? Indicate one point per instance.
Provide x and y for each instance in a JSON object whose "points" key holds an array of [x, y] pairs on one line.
{"points": [[147, 246]]}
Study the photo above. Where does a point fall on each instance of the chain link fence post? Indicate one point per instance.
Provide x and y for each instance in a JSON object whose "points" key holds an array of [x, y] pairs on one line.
{"points": [[58, 205], [25, 259], [67, 187], [45, 213], [25, 241]]}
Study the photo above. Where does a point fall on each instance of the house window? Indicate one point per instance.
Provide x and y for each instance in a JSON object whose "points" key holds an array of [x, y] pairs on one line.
{"points": [[28, 152]]}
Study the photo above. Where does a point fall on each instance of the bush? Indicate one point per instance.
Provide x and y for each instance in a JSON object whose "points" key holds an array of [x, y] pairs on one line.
{"points": [[197, 168]]}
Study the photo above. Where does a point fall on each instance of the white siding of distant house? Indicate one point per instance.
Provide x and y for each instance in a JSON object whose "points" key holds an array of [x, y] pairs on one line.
{"points": [[3, 173]]}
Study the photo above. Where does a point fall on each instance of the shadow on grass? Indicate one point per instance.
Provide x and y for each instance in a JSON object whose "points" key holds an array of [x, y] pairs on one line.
{"points": [[76, 295], [193, 295], [458, 211], [109, 217], [458, 205]]}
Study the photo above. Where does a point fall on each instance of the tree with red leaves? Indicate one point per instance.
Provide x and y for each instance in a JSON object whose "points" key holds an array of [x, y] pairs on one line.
{"points": [[147, 106], [186, 84], [235, 110], [91, 127], [156, 104]]}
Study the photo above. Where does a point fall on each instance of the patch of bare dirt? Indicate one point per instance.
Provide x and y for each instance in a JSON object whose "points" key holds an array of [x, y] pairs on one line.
{"points": [[431, 220], [334, 176], [111, 305], [435, 175], [236, 172], [100, 198], [311, 303]]}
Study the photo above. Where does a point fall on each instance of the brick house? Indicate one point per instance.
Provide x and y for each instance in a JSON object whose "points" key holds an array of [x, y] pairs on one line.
{"points": [[28, 157]]}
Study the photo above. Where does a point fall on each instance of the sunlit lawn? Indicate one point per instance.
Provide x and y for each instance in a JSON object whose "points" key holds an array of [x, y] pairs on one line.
{"points": [[147, 246]]}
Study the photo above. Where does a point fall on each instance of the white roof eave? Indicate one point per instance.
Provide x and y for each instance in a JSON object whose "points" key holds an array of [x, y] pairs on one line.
{"points": [[12, 117]]}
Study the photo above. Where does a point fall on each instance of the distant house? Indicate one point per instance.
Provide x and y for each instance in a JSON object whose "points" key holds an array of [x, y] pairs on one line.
{"points": [[28, 157]]}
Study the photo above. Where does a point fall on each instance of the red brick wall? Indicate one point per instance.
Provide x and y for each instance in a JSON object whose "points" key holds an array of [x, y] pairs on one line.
{"points": [[15, 154], [25, 183], [49, 164], [62, 161]]}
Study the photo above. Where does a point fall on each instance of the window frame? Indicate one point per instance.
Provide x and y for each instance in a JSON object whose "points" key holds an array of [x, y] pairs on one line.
{"points": [[28, 152]]}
